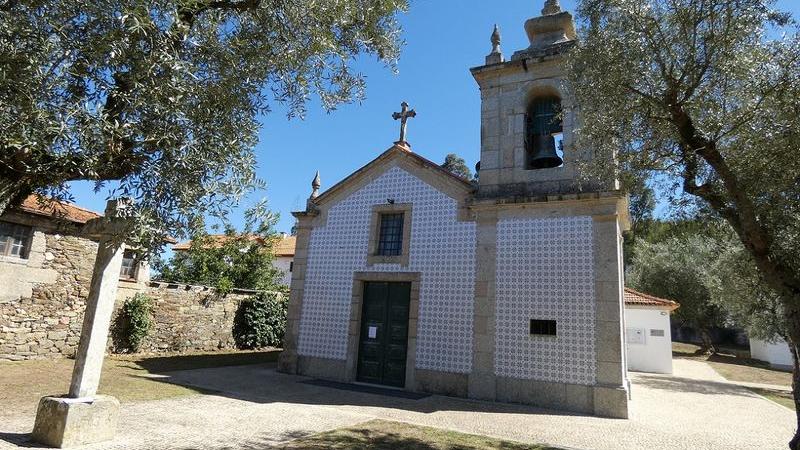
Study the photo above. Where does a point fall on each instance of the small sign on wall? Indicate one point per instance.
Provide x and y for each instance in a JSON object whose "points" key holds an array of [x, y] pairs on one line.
{"points": [[372, 332], [634, 336]]}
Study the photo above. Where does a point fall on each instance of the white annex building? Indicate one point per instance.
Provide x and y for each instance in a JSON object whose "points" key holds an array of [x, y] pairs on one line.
{"points": [[509, 289], [776, 353], [648, 335]]}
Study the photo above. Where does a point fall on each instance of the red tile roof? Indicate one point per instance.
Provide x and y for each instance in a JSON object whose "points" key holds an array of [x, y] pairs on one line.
{"points": [[637, 298], [283, 246], [57, 210]]}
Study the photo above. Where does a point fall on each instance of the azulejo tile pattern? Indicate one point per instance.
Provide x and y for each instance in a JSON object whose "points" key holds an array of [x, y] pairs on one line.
{"points": [[442, 249], [545, 271]]}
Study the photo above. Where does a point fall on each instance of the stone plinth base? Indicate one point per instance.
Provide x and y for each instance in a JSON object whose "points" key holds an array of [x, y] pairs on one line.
{"points": [[68, 422]]}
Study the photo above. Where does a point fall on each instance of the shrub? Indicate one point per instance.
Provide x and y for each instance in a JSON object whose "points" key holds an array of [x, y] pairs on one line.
{"points": [[261, 321], [134, 323]]}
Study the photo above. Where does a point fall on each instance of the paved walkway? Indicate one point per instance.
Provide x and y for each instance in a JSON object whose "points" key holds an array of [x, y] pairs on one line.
{"points": [[255, 407], [773, 387]]}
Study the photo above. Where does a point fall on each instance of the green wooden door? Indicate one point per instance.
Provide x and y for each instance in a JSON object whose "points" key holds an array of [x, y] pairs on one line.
{"points": [[383, 340]]}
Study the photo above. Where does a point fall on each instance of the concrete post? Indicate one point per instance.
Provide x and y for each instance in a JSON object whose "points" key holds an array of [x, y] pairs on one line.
{"points": [[83, 417], [96, 320]]}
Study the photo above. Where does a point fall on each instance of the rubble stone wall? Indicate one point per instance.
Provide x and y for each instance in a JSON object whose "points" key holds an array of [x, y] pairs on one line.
{"points": [[43, 298], [190, 318]]}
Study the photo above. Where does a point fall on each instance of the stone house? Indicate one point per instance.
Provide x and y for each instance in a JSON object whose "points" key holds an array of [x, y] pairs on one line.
{"points": [[284, 257], [46, 267], [45, 270], [408, 276]]}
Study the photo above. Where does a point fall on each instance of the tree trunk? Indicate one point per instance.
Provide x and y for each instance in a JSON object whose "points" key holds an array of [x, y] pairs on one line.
{"points": [[706, 343], [9, 191], [793, 323]]}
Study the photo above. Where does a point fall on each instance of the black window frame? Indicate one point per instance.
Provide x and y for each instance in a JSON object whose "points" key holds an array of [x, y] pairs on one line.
{"points": [[15, 235], [543, 327], [390, 233], [134, 266]]}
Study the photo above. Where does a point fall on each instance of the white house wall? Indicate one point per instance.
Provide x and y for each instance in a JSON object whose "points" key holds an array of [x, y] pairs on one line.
{"points": [[647, 351], [442, 250], [545, 271], [777, 353], [284, 264]]}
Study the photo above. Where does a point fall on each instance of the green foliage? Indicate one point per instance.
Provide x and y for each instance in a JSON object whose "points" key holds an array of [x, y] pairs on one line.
{"points": [[672, 269], [134, 323], [163, 97], [703, 95], [233, 260], [456, 164], [702, 265], [261, 321]]}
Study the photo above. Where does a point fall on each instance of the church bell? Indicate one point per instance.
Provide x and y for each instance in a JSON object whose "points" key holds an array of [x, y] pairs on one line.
{"points": [[544, 152]]}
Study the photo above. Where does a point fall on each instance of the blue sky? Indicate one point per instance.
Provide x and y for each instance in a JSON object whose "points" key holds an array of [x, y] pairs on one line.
{"points": [[444, 38]]}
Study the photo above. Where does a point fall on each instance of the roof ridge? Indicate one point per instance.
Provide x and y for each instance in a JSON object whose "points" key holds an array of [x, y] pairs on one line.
{"points": [[393, 150], [442, 169], [650, 296], [63, 203]]}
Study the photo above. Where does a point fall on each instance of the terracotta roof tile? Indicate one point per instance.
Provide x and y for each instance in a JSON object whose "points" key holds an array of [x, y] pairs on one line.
{"points": [[633, 297], [283, 246], [57, 210]]}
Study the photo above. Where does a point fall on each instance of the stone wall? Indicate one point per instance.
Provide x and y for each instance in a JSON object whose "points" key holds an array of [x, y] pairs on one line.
{"points": [[47, 321], [190, 318], [43, 297], [186, 318]]}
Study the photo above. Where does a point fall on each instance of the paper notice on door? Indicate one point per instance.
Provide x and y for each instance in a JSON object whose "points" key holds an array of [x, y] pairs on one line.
{"points": [[372, 332]]}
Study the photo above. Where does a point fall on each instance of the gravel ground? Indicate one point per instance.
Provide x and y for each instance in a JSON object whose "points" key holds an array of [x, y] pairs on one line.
{"points": [[256, 407]]}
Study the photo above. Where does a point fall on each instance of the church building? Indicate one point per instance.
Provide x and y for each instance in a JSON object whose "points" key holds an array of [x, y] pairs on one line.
{"points": [[508, 289]]}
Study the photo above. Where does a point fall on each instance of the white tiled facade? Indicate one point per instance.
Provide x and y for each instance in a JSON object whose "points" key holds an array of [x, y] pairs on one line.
{"points": [[545, 271], [442, 250]]}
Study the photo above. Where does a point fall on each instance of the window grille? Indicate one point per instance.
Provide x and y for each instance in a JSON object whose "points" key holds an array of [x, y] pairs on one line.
{"points": [[15, 240], [390, 239], [128, 270]]}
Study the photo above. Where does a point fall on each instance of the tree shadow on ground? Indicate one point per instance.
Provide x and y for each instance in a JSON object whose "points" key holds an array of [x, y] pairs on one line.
{"points": [[263, 384], [160, 364], [383, 435], [730, 359]]}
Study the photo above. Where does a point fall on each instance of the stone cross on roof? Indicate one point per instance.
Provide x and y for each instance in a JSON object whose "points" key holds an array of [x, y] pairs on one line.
{"points": [[403, 116]]}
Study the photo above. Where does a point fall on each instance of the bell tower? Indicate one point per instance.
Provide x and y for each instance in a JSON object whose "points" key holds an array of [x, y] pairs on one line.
{"points": [[549, 324], [528, 114]]}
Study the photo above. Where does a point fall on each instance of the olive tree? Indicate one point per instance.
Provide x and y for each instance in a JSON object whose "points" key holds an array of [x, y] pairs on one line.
{"points": [[705, 93], [161, 98], [456, 165], [672, 269]]}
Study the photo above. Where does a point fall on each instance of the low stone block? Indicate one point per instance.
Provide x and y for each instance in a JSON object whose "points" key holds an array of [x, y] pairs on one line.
{"points": [[443, 383], [579, 398], [611, 402], [68, 422]]}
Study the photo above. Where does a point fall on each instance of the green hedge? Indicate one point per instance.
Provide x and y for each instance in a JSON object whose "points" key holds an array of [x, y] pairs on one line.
{"points": [[261, 321], [134, 322]]}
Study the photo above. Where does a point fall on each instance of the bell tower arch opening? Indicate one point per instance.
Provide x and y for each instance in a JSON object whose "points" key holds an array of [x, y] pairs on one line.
{"points": [[544, 127]]}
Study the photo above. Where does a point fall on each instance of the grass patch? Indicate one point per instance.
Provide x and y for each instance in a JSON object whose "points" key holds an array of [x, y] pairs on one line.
{"points": [[733, 367], [130, 378], [389, 435], [782, 398]]}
